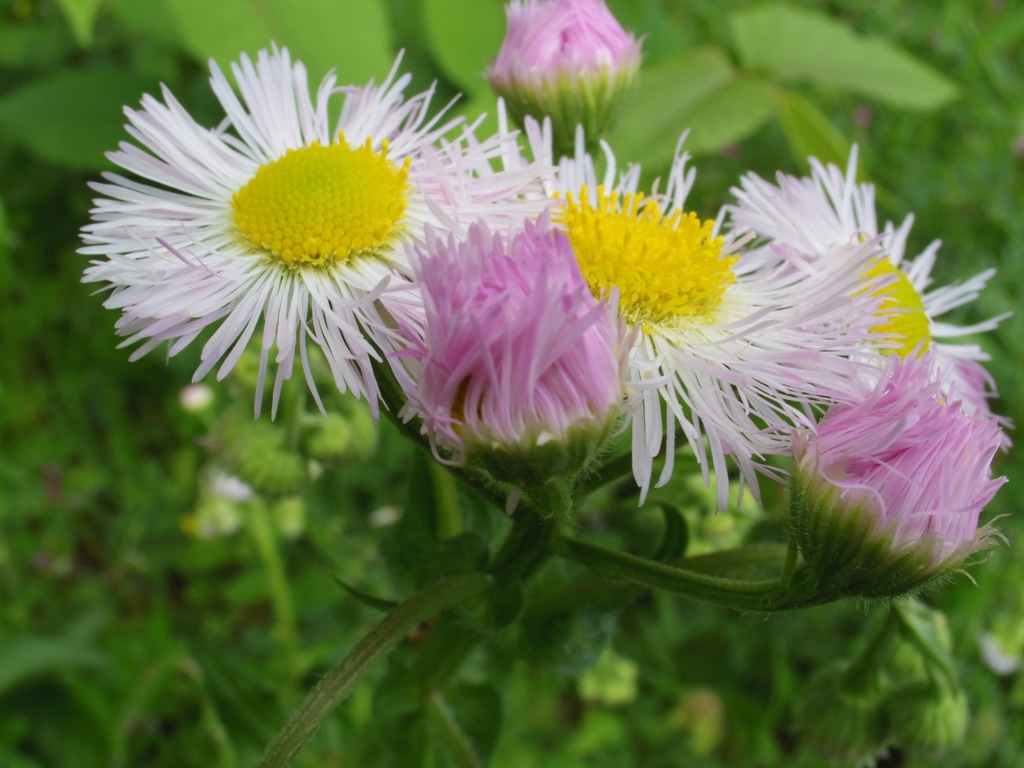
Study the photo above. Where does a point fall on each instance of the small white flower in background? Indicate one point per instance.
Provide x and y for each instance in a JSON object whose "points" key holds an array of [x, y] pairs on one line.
{"points": [[285, 223], [817, 214], [732, 348]]}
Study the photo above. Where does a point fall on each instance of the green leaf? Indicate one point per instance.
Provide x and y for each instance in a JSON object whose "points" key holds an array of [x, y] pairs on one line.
{"points": [[465, 38], [34, 45], [72, 116], [152, 18], [475, 715], [414, 538], [805, 45], [566, 643], [23, 657], [810, 133], [81, 17], [677, 534], [377, 603], [351, 37], [729, 115], [657, 113]]}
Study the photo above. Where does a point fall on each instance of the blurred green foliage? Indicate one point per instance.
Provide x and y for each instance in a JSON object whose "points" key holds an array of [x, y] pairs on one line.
{"points": [[126, 639]]}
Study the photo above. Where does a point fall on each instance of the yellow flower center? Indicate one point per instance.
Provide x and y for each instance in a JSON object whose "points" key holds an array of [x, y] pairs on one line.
{"points": [[904, 319], [667, 268], [321, 204]]}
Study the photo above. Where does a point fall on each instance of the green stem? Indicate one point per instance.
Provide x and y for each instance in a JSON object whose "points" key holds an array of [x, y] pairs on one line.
{"points": [[732, 560], [340, 681], [265, 538], [739, 594], [459, 748]]}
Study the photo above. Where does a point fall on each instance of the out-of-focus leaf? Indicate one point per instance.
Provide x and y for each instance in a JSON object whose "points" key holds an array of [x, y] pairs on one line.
{"points": [[25, 657], [656, 114], [475, 713], [72, 117], [400, 721], [151, 18], [352, 38], [809, 131], [34, 45], [730, 114], [565, 643], [799, 44], [81, 16], [465, 38]]}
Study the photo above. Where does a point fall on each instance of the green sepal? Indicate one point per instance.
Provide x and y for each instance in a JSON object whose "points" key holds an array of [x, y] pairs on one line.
{"points": [[593, 101], [847, 552], [537, 460]]}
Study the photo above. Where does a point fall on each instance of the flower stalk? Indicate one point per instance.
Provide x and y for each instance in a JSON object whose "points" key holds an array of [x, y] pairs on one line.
{"points": [[339, 682]]}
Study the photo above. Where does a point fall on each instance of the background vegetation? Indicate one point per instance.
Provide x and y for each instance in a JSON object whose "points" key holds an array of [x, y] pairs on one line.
{"points": [[146, 622]]}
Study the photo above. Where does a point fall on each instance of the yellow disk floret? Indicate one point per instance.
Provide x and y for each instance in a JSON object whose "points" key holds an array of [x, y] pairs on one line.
{"points": [[902, 310], [320, 204], [667, 268]]}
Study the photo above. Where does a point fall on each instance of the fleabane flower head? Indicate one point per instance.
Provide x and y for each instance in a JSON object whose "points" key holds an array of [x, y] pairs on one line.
{"points": [[570, 60], [520, 366], [731, 348], [886, 493], [820, 214], [285, 222]]}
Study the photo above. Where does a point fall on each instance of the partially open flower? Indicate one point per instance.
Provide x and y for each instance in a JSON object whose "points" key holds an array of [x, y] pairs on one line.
{"points": [[522, 368], [567, 59], [886, 493]]}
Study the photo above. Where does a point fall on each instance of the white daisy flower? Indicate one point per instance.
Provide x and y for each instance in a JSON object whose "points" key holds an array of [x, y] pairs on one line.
{"points": [[288, 215], [830, 209], [732, 348]]}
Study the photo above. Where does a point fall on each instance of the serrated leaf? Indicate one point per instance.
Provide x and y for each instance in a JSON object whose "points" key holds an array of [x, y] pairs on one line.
{"points": [[656, 114], [805, 45], [809, 132], [729, 115], [81, 17], [73, 116], [352, 38], [22, 658], [464, 38]]}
